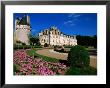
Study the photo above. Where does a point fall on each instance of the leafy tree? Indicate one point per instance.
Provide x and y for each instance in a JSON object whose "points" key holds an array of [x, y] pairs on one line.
{"points": [[95, 41], [23, 45], [87, 40], [34, 41]]}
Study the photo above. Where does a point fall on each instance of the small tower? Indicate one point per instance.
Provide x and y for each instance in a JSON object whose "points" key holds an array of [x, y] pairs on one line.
{"points": [[22, 30], [28, 19]]}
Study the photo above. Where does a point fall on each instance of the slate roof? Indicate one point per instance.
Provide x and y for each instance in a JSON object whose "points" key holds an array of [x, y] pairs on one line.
{"points": [[23, 20]]}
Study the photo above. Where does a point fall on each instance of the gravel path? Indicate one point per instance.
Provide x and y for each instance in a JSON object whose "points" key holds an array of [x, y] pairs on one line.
{"points": [[63, 56], [51, 53]]}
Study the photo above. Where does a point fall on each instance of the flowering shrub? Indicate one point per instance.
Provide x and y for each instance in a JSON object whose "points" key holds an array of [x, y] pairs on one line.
{"points": [[26, 65]]}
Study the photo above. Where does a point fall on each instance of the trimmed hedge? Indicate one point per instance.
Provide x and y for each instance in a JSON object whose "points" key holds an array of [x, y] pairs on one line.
{"points": [[25, 47], [78, 56], [68, 46]]}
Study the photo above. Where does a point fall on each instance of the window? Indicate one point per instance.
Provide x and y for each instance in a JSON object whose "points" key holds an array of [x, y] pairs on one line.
{"points": [[55, 32]]}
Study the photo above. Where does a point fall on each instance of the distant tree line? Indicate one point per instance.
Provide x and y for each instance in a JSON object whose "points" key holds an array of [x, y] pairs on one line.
{"points": [[87, 40]]}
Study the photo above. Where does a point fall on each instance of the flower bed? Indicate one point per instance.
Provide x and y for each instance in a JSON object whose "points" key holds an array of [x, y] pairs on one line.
{"points": [[26, 65]]}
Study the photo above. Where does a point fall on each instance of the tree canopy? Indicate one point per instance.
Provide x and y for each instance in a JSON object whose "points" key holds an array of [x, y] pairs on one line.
{"points": [[34, 40], [87, 40]]}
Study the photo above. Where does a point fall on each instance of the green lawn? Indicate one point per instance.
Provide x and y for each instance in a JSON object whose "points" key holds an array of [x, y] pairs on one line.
{"points": [[32, 53]]}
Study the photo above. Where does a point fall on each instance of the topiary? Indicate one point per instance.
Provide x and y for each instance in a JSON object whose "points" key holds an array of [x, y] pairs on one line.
{"points": [[78, 56], [62, 50]]}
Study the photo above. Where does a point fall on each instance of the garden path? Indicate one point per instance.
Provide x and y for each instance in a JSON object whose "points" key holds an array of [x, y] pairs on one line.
{"points": [[63, 56], [52, 53]]}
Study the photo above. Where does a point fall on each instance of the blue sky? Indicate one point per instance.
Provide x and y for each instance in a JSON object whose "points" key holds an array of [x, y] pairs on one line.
{"points": [[69, 23]]}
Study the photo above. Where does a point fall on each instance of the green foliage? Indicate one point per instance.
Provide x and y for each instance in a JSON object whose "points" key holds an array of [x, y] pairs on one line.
{"points": [[82, 71], [78, 56], [87, 40], [23, 44], [16, 68], [62, 50], [34, 40], [68, 46], [26, 47]]}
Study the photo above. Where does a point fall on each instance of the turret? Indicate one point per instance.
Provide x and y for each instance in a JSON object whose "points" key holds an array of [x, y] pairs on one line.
{"points": [[28, 20]]}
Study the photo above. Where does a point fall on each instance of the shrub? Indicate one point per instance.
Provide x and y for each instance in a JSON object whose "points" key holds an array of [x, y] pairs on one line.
{"points": [[62, 50], [68, 46], [16, 68], [26, 47], [82, 71], [78, 56], [46, 45]]}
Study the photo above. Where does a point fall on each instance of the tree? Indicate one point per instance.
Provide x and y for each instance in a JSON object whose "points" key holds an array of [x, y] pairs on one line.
{"points": [[87, 40], [18, 43], [34, 41], [95, 41], [23, 45]]}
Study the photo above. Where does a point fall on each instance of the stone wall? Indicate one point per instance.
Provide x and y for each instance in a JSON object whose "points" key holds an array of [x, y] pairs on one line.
{"points": [[22, 34]]}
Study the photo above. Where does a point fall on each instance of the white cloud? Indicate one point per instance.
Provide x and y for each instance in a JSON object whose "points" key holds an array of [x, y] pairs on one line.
{"points": [[72, 19], [72, 24], [74, 15], [69, 21]]}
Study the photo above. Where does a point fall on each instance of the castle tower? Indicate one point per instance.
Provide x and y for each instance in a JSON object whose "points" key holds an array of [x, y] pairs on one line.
{"points": [[22, 30]]}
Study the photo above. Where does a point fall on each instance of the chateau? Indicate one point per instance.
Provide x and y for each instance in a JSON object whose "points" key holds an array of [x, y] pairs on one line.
{"points": [[53, 36], [22, 30]]}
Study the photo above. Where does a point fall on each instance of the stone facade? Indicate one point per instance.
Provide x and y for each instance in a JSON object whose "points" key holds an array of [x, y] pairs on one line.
{"points": [[53, 36], [22, 30]]}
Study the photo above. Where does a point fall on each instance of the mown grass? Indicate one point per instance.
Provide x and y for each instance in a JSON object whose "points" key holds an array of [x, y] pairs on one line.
{"points": [[33, 53]]}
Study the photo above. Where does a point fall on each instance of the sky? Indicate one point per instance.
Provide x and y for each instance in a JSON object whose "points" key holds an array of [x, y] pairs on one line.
{"points": [[84, 24]]}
